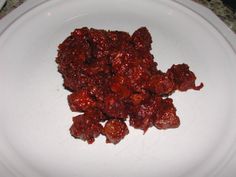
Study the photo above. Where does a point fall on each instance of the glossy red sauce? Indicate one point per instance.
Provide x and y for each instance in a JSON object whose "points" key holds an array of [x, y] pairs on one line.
{"points": [[114, 79]]}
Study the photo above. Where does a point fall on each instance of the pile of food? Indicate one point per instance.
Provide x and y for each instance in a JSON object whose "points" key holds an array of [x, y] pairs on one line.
{"points": [[114, 79]]}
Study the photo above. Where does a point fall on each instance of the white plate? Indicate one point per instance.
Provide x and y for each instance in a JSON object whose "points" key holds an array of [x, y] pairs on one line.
{"points": [[34, 136]]}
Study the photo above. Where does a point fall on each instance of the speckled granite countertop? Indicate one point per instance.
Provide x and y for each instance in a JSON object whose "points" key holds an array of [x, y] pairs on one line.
{"points": [[217, 6]]}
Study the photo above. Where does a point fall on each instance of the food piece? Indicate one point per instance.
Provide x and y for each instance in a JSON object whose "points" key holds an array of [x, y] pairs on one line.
{"points": [[81, 101], [114, 107], [184, 79], [113, 77], [161, 83], [142, 39], [165, 116], [115, 130], [95, 114], [138, 98], [85, 128], [141, 115]]}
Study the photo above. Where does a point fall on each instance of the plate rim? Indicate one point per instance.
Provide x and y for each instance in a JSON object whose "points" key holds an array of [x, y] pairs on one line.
{"points": [[196, 8]]}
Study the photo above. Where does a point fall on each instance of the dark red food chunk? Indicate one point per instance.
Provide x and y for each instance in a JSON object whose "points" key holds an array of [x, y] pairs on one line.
{"points": [[141, 115], [81, 101], [165, 116], [85, 128], [115, 130], [161, 84], [113, 107], [113, 77], [184, 79], [142, 39]]}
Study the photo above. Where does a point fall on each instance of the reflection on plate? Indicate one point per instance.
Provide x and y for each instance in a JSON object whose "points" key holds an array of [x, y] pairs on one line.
{"points": [[35, 117]]}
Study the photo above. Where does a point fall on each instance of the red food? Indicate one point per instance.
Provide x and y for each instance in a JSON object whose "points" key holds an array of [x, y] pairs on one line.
{"points": [[115, 130], [113, 77], [114, 107], [184, 79], [161, 84], [165, 116], [81, 101], [85, 128]]}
